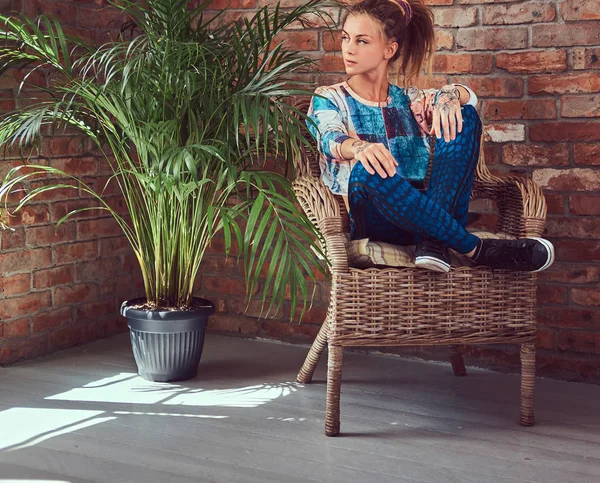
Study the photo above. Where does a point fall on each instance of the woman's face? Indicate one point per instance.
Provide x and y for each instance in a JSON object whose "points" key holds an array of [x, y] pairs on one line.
{"points": [[364, 47]]}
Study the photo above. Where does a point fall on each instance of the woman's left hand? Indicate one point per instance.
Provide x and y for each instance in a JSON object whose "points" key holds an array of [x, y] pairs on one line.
{"points": [[447, 116]]}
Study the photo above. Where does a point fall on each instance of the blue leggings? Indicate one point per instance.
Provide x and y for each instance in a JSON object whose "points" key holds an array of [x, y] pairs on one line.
{"points": [[392, 210]]}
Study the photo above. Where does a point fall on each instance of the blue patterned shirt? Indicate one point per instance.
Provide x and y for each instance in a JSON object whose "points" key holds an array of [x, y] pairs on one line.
{"points": [[397, 123]]}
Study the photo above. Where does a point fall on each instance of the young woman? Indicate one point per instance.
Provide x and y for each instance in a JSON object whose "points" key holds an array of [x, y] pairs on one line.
{"points": [[373, 137]]}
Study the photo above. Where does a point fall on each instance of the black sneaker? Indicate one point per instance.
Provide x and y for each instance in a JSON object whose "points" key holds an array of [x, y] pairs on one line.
{"points": [[432, 255], [525, 254]]}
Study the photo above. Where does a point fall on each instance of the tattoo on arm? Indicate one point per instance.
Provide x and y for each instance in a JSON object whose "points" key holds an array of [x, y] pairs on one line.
{"points": [[447, 98], [359, 146]]}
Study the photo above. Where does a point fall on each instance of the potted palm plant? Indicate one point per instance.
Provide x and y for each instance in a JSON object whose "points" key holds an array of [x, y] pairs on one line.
{"points": [[185, 109]]}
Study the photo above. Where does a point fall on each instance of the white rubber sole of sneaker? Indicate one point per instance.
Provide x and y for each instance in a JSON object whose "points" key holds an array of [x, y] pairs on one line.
{"points": [[550, 249], [432, 263]]}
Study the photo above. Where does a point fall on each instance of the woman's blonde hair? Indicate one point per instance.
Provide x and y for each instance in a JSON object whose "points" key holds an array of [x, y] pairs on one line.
{"points": [[410, 24]]}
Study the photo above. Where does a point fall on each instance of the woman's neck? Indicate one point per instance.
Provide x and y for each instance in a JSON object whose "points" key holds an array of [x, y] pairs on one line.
{"points": [[371, 87]]}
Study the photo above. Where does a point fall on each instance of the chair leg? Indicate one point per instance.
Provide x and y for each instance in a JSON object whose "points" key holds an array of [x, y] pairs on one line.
{"points": [[457, 361], [334, 383], [310, 363], [527, 383]]}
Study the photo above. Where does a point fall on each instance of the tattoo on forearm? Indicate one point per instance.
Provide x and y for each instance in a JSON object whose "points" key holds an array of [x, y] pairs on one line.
{"points": [[359, 146]]}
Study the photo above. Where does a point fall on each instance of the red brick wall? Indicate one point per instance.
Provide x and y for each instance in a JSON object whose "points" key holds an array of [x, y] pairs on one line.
{"points": [[535, 66], [58, 289]]}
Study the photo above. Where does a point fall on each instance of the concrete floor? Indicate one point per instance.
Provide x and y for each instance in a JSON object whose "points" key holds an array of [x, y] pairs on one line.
{"points": [[84, 415]]}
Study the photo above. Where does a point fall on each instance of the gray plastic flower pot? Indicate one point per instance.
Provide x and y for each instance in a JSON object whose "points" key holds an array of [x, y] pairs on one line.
{"points": [[167, 345]]}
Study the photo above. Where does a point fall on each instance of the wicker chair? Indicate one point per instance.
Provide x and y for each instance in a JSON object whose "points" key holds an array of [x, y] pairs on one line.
{"points": [[411, 306]]}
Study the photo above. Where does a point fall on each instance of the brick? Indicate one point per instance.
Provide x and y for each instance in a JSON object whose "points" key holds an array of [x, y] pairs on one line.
{"points": [[462, 63], [99, 228], [69, 336], [472, 2], [98, 270], [94, 310], [491, 38], [586, 296], [75, 252], [529, 12], [565, 131], [313, 21], [25, 260], [55, 194], [24, 304], [14, 76], [232, 325], [573, 227], [104, 18], [569, 317], [493, 86], [575, 179], [221, 4], [546, 338], [551, 294], [444, 39], [302, 41], [30, 215], [588, 154], [503, 133], [587, 205], [331, 40], [63, 11], [62, 146], [17, 328], [522, 109], [584, 58], [74, 294], [555, 203], [585, 33], [18, 349], [571, 273], [577, 250], [284, 3], [532, 61], [564, 83], [580, 106], [222, 285], [7, 101], [438, 2], [10, 240], [579, 341], [288, 332], [51, 319], [568, 368], [580, 10], [38, 236], [455, 17], [114, 246], [332, 63], [52, 277], [224, 266], [16, 284], [76, 166], [61, 208], [531, 155]]}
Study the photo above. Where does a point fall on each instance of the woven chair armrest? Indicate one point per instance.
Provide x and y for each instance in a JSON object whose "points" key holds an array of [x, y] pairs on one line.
{"points": [[323, 211], [521, 203]]}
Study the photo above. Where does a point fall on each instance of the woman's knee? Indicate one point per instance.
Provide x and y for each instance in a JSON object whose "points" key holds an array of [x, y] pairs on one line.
{"points": [[470, 116]]}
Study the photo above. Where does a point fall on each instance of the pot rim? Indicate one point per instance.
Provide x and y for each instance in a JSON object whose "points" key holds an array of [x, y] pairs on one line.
{"points": [[207, 308]]}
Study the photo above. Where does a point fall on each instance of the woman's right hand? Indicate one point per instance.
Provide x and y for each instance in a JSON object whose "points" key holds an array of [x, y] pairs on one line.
{"points": [[375, 157]]}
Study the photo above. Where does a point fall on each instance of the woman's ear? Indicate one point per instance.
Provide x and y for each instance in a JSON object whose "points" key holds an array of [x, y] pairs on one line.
{"points": [[390, 50]]}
